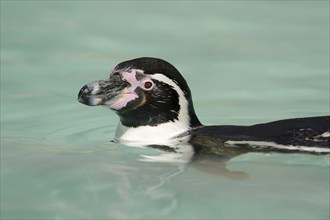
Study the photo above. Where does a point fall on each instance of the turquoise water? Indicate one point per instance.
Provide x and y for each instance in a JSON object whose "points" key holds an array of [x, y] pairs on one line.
{"points": [[246, 62]]}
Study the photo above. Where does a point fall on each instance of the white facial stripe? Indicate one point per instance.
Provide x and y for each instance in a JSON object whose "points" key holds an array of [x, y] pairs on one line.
{"points": [[183, 113]]}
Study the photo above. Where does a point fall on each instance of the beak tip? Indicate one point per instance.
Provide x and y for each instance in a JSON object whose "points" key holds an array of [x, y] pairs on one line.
{"points": [[86, 97], [82, 95], [79, 99]]}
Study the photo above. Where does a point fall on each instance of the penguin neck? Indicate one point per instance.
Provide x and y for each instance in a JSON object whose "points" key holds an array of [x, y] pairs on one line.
{"points": [[160, 134]]}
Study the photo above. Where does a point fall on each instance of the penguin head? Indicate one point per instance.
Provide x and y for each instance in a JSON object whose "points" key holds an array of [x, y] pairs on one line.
{"points": [[143, 92]]}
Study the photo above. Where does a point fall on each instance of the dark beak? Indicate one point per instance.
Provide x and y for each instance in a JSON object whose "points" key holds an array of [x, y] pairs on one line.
{"points": [[101, 92]]}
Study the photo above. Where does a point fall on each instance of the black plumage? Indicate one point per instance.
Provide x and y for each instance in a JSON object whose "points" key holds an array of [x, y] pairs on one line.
{"points": [[298, 133]]}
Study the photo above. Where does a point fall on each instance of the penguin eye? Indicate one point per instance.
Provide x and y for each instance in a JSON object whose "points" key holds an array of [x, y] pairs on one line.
{"points": [[148, 85]]}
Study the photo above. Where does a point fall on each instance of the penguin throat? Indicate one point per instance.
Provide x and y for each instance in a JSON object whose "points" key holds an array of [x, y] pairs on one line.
{"points": [[160, 134]]}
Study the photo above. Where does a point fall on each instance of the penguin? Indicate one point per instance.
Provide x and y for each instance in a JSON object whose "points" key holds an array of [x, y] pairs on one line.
{"points": [[155, 108]]}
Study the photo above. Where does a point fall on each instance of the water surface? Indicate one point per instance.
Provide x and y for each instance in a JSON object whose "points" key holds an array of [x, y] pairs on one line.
{"points": [[246, 62]]}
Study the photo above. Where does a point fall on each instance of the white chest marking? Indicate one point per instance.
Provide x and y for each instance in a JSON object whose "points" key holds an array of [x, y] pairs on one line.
{"points": [[161, 134]]}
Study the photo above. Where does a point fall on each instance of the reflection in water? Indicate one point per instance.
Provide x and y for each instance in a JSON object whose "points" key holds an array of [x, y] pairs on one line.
{"points": [[61, 182], [41, 181], [66, 182], [139, 198], [217, 167]]}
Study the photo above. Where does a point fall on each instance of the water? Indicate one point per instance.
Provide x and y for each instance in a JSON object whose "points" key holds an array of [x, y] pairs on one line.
{"points": [[246, 62]]}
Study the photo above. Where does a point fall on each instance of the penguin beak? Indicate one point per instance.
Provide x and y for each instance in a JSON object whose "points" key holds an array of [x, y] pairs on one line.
{"points": [[101, 92]]}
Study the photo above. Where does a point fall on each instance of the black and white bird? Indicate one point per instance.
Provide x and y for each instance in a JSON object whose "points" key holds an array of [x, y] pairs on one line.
{"points": [[155, 107]]}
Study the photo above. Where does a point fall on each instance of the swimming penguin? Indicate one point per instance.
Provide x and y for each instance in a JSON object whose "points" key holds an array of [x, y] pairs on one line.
{"points": [[155, 107]]}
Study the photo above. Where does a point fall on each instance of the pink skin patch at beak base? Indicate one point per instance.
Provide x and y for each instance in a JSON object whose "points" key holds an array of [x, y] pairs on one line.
{"points": [[127, 94]]}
